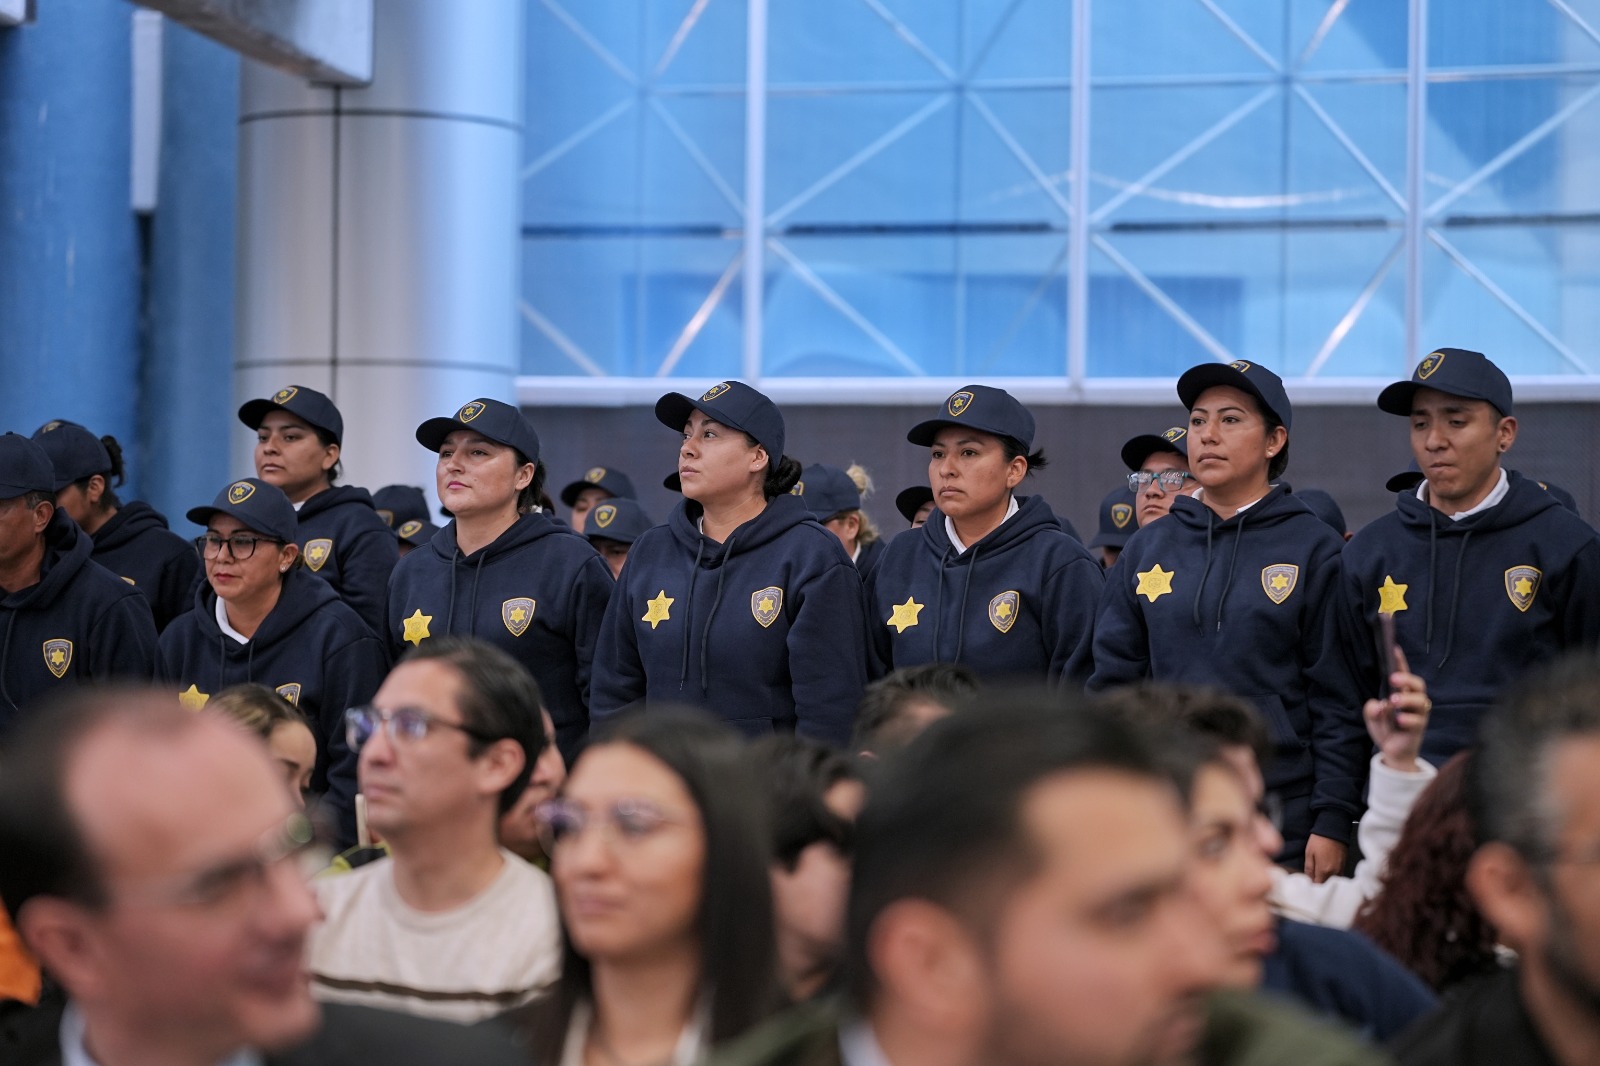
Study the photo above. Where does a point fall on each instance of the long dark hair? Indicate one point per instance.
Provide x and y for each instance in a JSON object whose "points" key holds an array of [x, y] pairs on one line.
{"points": [[1423, 915], [738, 969]]}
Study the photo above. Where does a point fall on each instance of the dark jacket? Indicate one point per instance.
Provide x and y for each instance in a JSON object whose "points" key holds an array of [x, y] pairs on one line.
{"points": [[1019, 603], [311, 649], [538, 592], [765, 630], [1464, 620], [137, 546], [1247, 604], [80, 623], [1341, 974], [1241, 1030], [1484, 1023], [347, 545], [868, 555], [348, 1036]]}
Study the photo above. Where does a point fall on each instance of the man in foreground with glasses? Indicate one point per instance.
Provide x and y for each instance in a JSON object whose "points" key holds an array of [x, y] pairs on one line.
{"points": [[152, 861], [1158, 465], [64, 619], [451, 925]]}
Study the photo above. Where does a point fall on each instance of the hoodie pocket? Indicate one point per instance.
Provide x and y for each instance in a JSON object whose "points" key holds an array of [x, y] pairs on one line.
{"points": [[1291, 750], [753, 727]]}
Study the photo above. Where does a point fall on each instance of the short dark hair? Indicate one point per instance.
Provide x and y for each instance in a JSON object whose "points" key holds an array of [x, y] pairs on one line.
{"points": [[1211, 713], [533, 495], [798, 773], [1518, 739], [498, 698], [943, 820], [44, 848], [738, 971], [885, 701]]}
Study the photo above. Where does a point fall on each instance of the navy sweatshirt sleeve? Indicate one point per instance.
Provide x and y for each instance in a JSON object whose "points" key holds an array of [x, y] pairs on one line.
{"points": [[1121, 641], [618, 676], [364, 573], [123, 645], [590, 594], [1340, 747], [1075, 590], [353, 674], [828, 655], [175, 589]]}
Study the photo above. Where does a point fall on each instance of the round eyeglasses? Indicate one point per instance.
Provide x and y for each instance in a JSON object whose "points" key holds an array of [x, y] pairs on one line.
{"points": [[1170, 480]]}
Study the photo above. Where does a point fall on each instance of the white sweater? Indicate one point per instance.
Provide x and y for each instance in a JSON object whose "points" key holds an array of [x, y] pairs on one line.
{"points": [[494, 952], [1334, 902]]}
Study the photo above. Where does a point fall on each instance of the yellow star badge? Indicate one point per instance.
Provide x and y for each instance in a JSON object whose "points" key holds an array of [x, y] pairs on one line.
{"points": [[660, 609], [1391, 596], [192, 699], [1154, 583], [905, 614], [417, 627]]}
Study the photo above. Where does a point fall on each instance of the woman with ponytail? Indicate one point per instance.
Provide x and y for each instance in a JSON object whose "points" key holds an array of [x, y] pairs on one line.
{"points": [[131, 540], [742, 603]]}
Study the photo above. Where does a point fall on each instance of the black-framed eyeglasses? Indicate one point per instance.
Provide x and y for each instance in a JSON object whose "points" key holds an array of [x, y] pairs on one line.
{"points": [[240, 545], [628, 821], [403, 724], [1171, 480]]}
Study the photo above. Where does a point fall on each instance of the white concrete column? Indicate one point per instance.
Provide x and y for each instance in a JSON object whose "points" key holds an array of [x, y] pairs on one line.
{"points": [[379, 231]]}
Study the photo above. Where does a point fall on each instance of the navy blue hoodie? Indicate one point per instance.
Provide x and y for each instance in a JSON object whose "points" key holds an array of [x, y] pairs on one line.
{"points": [[137, 546], [1341, 974], [1248, 604], [1463, 616], [347, 545], [538, 592], [78, 624], [311, 649], [868, 556], [766, 630], [1019, 603]]}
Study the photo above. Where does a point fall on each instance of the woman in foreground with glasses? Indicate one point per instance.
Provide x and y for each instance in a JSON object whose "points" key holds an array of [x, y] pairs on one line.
{"points": [[260, 618], [658, 848]]}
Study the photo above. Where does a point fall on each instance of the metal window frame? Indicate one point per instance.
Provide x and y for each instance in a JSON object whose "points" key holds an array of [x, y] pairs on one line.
{"points": [[762, 237]]}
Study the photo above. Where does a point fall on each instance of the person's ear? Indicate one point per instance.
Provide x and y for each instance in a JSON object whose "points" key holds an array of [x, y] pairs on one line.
{"points": [[286, 557], [1506, 434], [932, 966], [1016, 470], [499, 764], [1506, 890], [1276, 441], [60, 935], [524, 476], [330, 457]]}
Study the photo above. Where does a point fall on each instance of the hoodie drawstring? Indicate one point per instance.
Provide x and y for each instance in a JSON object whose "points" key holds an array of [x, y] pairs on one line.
{"points": [[1455, 600], [688, 614], [1433, 584], [938, 598], [1200, 589], [716, 601], [472, 613], [961, 616], [5, 654], [450, 622], [1233, 565]]}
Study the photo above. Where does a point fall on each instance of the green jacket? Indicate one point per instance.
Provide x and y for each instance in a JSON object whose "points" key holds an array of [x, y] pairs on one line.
{"points": [[1241, 1030]]}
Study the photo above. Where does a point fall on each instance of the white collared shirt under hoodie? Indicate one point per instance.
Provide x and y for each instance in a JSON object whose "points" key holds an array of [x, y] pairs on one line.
{"points": [[496, 951], [950, 525]]}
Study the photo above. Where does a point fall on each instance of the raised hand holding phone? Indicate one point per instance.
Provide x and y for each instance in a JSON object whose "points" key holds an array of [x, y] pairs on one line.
{"points": [[1397, 721]]}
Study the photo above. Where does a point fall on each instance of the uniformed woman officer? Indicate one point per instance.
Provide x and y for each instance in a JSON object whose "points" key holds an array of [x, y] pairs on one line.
{"points": [[991, 580], [341, 537], [502, 570], [262, 618], [131, 540], [1235, 588], [742, 603]]}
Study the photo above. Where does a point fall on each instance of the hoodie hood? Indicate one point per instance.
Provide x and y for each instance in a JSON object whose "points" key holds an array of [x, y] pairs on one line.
{"points": [[1275, 508], [1032, 518], [301, 597], [523, 532], [781, 514], [337, 496], [130, 521], [66, 551]]}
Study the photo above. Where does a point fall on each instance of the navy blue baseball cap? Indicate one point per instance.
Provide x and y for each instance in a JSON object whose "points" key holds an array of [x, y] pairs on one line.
{"points": [[619, 519], [1408, 478], [1117, 523], [308, 405], [734, 404], [1142, 447], [980, 407], [415, 531], [260, 506], [74, 452], [911, 500], [491, 419], [399, 504], [827, 491], [1241, 374], [1455, 371], [612, 482], [1325, 507], [24, 467]]}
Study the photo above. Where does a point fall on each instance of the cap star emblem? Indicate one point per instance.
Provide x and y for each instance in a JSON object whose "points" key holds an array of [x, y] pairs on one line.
{"points": [[660, 609], [417, 627], [905, 614], [1391, 596], [1154, 583]]}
